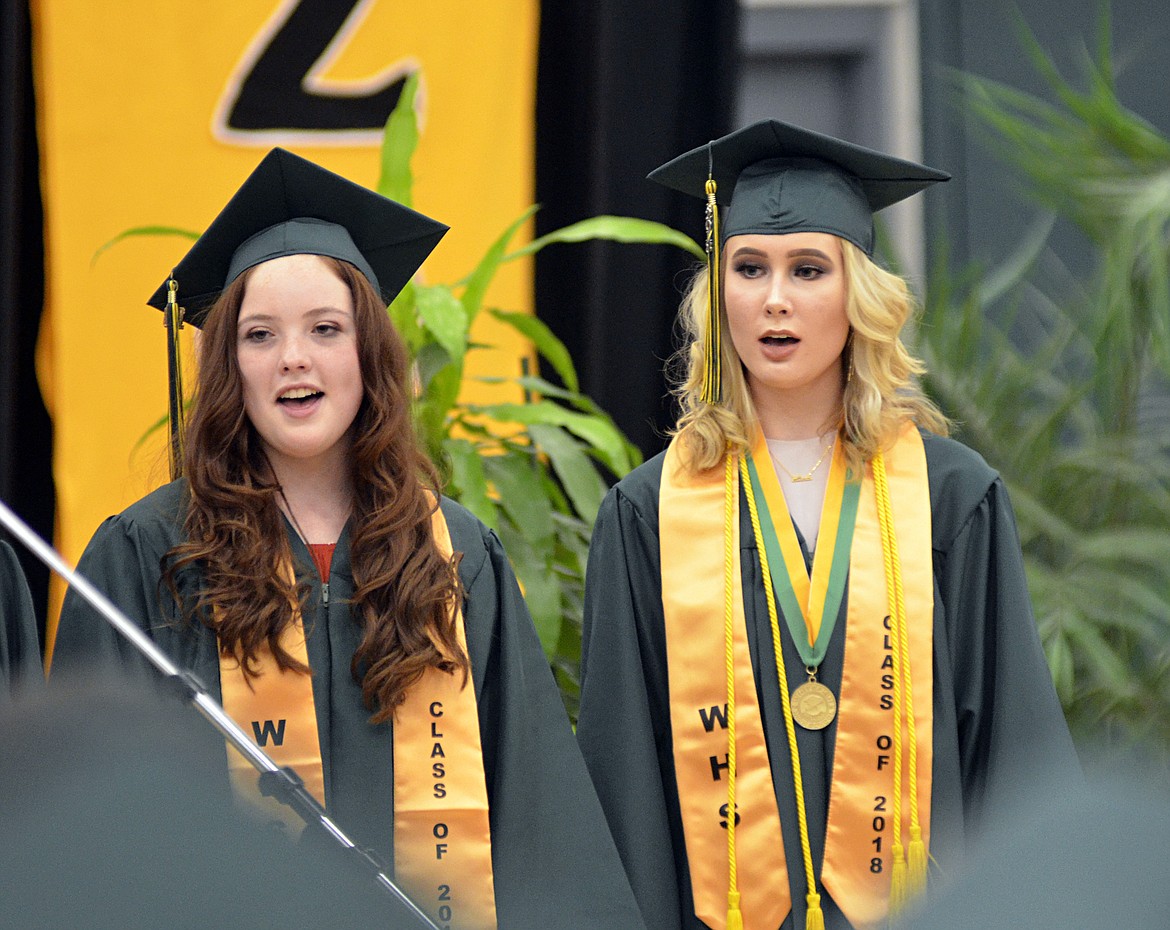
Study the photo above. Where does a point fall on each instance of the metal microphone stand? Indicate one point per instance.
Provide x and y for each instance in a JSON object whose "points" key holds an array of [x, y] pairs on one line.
{"points": [[282, 783]]}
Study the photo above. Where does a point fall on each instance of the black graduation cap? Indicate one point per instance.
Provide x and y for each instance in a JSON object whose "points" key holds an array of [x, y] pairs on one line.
{"points": [[779, 178], [290, 206]]}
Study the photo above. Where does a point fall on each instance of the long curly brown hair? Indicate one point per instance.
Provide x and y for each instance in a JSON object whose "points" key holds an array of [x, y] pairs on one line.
{"points": [[404, 589]]}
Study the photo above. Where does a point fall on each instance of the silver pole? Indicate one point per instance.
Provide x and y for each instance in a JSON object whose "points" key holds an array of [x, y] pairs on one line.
{"points": [[203, 701]]}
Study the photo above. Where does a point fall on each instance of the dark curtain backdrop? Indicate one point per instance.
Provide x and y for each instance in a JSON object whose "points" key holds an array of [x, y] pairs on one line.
{"points": [[26, 482], [621, 88]]}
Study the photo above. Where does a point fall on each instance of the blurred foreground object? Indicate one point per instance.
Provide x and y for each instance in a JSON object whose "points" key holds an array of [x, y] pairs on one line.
{"points": [[117, 813], [1090, 856]]}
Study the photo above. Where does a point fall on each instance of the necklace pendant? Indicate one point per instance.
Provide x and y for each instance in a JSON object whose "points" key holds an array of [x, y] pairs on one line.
{"points": [[799, 478], [813, 705]]}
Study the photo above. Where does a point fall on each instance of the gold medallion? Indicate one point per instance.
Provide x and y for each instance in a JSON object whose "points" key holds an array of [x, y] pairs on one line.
{"points": [[813, 705]]}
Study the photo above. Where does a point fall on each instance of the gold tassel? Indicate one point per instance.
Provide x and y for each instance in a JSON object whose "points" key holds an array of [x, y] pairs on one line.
{"points": [[713, 340], [815, 919], [916, 866], [173, 320], [734, 915], [898, 881]]}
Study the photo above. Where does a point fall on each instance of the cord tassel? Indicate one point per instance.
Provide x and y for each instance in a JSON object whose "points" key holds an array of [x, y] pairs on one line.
{"points": [[898, 897], [916, 864], [815, 918], [734, 915]]}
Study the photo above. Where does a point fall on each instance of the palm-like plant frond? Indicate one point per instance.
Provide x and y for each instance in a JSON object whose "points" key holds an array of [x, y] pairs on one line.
{"points": [[1052, 390]]}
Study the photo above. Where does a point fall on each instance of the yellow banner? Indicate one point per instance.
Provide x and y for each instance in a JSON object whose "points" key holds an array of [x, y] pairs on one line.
{"points": [[153, 113]]}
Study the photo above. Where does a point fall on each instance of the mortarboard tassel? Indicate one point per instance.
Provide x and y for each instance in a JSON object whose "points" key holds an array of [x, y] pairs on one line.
{"points": [[173, 321], [713, 340]]}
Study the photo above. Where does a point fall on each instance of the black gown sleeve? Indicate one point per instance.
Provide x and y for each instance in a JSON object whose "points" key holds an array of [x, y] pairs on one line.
{"points": [[626, 744], [1010, 728], [20, 653], [553, 859], [122, 560]]}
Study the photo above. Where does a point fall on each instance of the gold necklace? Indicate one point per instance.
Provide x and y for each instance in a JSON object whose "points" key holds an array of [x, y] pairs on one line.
{"points": [[807, 476]]}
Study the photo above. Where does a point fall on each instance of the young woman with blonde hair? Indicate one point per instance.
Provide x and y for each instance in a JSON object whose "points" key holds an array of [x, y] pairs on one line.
{"points": [[810, 665]]}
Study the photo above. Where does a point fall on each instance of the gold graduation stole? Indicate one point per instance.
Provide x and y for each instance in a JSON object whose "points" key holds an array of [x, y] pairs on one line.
{"points": [[442, 837], [694, 511]]}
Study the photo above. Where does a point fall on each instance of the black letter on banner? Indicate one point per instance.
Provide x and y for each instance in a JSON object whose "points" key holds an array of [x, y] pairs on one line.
{"points": [[716, 765], [268, 731], [272, 95], [723, 814], [714, 714]]}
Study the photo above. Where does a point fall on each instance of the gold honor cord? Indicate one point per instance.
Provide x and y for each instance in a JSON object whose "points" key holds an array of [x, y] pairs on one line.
{"points": [[173, 321], [814, 919], [734, 915], [909, 878]]}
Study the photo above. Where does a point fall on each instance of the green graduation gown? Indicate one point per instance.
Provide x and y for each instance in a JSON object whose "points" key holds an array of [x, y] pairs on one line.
{"points": [[20, 652], [554, 862], [997, 720]]}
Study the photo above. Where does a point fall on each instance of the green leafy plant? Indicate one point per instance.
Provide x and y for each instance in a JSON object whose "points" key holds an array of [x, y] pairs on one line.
{"points": [[530, 469], [1057, 377]]}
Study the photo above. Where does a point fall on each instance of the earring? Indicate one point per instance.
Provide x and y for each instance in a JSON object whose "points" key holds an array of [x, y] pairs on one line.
{"points": [[849, 358]]}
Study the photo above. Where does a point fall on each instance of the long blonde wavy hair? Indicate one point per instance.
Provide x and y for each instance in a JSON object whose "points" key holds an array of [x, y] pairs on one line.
{"points": [[880, 397]]}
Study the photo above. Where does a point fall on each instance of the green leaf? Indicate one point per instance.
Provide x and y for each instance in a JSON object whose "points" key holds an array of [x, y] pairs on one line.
{"points": [[547, 344], [535, 385], [404, 316], [1021, 259], [518, 483], [431, 359], [541, 590], [399, 141], [159, 424], [444, 317], [471, 486], [143, 231], [479, 279], [604, 438], [617, 229], [573, 467], [438, 398]]}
